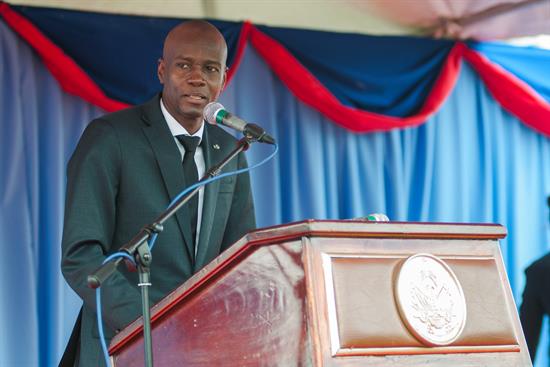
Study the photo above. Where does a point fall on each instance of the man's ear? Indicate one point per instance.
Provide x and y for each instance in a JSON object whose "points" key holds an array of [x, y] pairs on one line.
{"points": [[161, 68]]}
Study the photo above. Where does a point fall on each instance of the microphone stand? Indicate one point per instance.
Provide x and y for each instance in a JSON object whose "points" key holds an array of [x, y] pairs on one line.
{"points": [[138, 248]]}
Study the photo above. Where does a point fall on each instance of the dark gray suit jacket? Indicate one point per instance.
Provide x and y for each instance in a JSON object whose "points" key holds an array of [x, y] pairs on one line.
{"points": [[123, 174]]}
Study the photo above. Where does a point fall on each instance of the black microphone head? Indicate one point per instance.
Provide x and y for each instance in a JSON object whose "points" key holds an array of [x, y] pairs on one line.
{"points": [[211, 111]]}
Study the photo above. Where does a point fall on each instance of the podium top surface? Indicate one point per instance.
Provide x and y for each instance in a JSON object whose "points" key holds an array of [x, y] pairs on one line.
{"points": [[362, 228]]}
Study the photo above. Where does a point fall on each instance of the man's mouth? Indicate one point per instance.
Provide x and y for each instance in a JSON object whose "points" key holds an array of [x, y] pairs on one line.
{"points": [[195, 97]]}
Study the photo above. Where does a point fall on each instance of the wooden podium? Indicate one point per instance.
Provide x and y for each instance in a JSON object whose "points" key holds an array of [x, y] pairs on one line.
{"points": [[324, 293]]}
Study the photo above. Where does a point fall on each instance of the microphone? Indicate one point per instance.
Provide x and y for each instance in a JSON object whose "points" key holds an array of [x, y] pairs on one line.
{"points": [[377, 217], [374, 217], [214, 113]]}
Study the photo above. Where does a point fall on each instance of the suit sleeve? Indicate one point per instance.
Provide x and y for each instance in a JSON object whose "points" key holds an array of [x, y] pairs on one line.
{"points": [[241, 216], [93, 175]]}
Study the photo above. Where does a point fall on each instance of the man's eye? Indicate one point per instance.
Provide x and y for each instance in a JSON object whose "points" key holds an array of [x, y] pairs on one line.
{"points": [[212, 69], [182, 65]]}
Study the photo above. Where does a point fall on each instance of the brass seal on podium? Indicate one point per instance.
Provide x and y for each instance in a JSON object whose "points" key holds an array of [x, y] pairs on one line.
{"points": [[430, 300]]}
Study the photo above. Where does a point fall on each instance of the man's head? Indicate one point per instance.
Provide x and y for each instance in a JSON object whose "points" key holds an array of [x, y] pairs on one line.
{"points": [[192, 70]]}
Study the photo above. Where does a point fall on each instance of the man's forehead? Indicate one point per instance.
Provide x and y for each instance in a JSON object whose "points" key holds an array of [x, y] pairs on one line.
{"points": [[197, 52], [204, 45], [198, 59]]}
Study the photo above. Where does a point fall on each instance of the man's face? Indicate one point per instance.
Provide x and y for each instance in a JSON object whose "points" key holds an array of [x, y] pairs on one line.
{"points": [[193, 74]]}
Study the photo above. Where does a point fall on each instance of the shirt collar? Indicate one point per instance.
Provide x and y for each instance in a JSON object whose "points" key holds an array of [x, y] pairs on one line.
{"points": [[174, 125]]}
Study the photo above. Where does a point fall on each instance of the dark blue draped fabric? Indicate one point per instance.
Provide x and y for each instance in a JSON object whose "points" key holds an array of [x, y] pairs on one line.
{"points": [[118, 52], [388, 75], [382, 74], [471, 162]]}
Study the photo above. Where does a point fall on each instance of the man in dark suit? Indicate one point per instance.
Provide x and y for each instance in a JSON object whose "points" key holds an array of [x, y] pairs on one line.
{"points": [[536, 300], [126, 169]]}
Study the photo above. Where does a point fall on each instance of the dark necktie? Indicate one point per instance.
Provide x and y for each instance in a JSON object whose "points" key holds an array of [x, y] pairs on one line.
{"points": [[190, 144]]}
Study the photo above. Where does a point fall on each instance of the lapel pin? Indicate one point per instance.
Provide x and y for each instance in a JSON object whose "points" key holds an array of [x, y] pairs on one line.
{"points": [[216, 146]]}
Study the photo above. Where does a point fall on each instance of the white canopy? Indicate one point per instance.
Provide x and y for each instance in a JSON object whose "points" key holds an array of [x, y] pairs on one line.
{"points": [[467, 19]]}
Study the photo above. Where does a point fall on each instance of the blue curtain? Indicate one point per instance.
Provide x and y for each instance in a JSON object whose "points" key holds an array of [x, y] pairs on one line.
{"points": [[39, 128], [472, 162]]}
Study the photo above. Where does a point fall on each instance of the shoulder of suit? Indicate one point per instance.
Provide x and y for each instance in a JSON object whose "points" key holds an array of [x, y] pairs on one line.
{"points": [[541, 267], [127, 114], [131, 115]]}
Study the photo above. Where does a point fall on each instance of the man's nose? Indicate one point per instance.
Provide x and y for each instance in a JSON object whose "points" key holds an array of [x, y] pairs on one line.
{"points": [[197, 76]]}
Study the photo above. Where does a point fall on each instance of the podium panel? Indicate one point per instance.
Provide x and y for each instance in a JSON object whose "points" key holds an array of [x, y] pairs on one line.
{"points": [[356, 294], [341, 293]]}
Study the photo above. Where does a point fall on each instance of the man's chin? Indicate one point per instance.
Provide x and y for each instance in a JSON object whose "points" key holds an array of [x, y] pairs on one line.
{"points": [[192, 110]]}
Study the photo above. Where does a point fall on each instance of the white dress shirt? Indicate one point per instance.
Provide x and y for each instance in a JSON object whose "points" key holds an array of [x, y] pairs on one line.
{"points": [[177, 129]]}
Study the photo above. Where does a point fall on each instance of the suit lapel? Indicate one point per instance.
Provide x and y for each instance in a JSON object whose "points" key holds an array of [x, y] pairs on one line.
{"points": [[212, 149], [168, 159]]}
